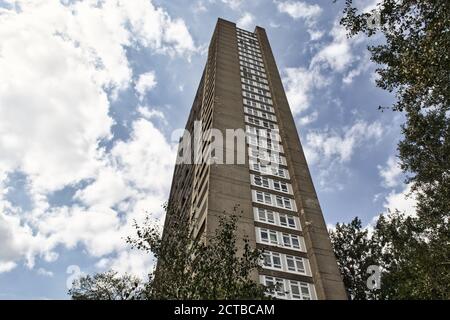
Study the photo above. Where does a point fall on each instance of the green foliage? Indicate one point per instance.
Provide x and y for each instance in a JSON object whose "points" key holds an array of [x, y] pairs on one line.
{"points": [[187, 268], [414, 63], [107, 286], [354, 252], [398, 247]]}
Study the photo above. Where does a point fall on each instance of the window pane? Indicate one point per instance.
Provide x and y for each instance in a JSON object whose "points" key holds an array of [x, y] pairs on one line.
{"points": [[279, 201], [305, 289], [287, 240], [291, 222], [273, 237], [290, 263], [287, 203], [280, 287], [295, 290], [270, 217], [264, 236], [259, 196], [283, 220], [267, 261], [299, 265], [261, 214], [276, 261], [295, 242]]}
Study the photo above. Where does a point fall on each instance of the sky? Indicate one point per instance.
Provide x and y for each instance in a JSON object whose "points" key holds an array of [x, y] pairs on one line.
{"points": [[91, 92]]}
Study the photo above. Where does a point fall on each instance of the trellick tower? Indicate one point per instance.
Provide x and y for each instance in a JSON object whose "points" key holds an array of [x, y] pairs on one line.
{"points": [[241, 89]]}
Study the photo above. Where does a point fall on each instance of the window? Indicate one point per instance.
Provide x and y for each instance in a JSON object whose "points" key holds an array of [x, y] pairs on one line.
{"points": [[286, 203], [279, 289], [295, 264], [306, 295], [300, 290], [295, 290], [277, 286], [266, 215], [272, 260], [280, 186], [268, 183], [277, 238], [279, 202], [264, 234], [291, 241], [268, 236], [287, 221], [261, 181], [286, 263], [273, 237], [273, 200], [276, 218]]}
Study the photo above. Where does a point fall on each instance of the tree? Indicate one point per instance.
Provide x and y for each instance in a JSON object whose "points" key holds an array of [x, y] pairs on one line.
{"points": [[355, 252], [397, 246], [414, 63], [107, 286], [187, 268]]}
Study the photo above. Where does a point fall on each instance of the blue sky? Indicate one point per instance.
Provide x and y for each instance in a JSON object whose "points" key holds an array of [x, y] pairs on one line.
{"points": [[91, 91]]}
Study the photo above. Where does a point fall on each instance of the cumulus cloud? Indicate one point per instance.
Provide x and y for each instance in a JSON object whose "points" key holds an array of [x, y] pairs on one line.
{"points": [[246, 21], [233, 4], [45, 273], [145, 83], [391, 173], [339, 56], [303, 121], [300, 84], [299, 9], [326, 145], [151, 113], [309, 13], [402, 201], [61, 64]]}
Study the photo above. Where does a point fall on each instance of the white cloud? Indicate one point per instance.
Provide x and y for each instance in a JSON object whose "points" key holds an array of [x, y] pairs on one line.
{"points": [[45, 273], [199, 7], [233, 4], [246, 21], [299, 9], [149, 113], [303, 121], [131, 261], [328, 145], [315, 34], [307, 12], [60, 65], [337, 55], [300, 83], [145, 83], [401, 201], [391, 173], [364, 64], [55, 60], [7, 266]]}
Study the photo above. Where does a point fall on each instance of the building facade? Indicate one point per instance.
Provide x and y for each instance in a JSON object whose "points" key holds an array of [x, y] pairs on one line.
{"points": [[265, 174]]}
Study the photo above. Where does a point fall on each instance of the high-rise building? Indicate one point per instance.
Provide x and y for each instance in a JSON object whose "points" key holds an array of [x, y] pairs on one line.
{"points": [[265, 173]]}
